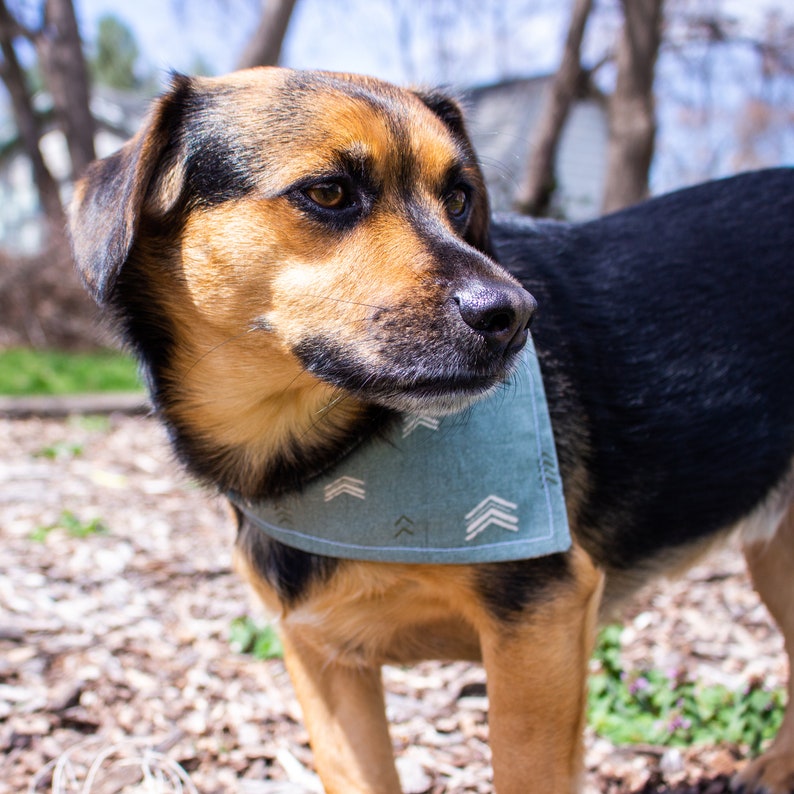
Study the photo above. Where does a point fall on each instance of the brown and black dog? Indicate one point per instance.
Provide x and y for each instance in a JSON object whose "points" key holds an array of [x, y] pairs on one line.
{"points": [[297, 258]]}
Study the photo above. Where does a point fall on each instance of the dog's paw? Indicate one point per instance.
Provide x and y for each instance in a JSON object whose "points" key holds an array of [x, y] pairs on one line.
{"points": [[771, 773]]}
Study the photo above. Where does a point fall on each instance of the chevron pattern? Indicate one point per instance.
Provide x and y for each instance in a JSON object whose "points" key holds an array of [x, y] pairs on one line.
{"points": [[492, 511], [549, 468], [349, 486], [411, 423], [403, 525]]}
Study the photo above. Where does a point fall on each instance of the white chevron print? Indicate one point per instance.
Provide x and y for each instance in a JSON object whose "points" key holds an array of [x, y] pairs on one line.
{"points": [[345, 485], [492, 511], [412, 422]]}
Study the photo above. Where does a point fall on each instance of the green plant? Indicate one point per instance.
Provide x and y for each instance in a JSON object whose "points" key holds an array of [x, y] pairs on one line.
{"points": [[73, 525], [649, 706], [33, 372], [262, 642]]}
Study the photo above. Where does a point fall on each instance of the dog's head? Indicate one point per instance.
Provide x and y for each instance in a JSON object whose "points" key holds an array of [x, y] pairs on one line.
{"points": [[275, 243]]}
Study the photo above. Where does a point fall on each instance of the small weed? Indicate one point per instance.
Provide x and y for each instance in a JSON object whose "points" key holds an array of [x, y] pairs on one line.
{"points": [[74, 526], [262, 642], [60, 450], [649, 706]]}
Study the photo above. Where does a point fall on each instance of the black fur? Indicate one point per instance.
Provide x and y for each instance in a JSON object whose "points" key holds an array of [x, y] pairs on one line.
{"points": [[451, 113], [509, 589], [290, 572], [666, 336]]}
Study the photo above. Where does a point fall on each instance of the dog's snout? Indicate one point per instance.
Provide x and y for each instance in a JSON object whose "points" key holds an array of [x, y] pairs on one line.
{"points": [[500, 313]]}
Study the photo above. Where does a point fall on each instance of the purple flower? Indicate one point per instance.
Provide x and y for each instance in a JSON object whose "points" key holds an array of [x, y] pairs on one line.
{"points": [[639, 684], [679, 722]]}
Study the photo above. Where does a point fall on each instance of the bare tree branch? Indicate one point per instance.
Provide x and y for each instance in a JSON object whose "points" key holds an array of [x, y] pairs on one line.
{"points": [[534, 194], [632, 124], [264, 46], [62, 62], [27, 122]]}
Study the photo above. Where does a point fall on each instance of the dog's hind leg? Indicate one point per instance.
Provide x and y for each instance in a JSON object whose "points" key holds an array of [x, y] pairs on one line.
{"points": [[344, 710], [536, 669], [771, 564]]}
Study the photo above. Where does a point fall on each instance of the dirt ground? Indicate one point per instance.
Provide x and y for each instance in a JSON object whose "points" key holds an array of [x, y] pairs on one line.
{"points": [[114, 645]]}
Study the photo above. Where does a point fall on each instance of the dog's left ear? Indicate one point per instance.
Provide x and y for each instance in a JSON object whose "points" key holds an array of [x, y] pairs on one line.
{"points": [[105, 212], [451, 113]]}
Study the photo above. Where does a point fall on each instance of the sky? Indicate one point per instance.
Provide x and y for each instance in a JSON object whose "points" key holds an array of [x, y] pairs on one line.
{"points": [[345, 35], [363, 35]]}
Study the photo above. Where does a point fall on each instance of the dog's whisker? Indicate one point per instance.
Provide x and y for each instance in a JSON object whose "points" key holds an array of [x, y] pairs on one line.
{"points": [[209, 352], [323, 415], [347, 301], [332, 404]]}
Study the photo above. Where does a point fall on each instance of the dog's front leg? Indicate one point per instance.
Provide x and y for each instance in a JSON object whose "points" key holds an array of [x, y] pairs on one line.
{"points": [[536, 667], [771, 563], [344, 710]]}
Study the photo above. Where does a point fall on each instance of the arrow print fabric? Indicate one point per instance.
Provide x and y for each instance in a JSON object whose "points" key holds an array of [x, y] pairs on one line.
{"points": [[349, 486], [481, 486], [492, 511]]}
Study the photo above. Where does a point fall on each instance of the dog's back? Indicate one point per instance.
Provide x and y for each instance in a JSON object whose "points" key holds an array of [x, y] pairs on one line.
{"points": [[666, 333]]}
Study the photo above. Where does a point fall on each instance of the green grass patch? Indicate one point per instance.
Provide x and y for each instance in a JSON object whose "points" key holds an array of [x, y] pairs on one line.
{"points": [[647, 706], [26, 372]]}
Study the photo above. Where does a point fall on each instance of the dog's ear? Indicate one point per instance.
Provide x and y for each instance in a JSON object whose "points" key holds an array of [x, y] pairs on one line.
{"points": [[451, 113], [146, 173]]}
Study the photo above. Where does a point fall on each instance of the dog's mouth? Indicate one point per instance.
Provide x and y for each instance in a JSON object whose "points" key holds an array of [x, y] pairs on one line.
{"points": [[411, 380], [439, 398]]}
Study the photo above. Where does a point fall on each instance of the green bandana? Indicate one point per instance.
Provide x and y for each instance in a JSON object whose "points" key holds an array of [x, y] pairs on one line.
{"points": [[479, 486]]}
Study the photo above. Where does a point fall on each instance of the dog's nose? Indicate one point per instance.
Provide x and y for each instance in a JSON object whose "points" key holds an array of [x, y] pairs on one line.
{"points": [[500, 313]]}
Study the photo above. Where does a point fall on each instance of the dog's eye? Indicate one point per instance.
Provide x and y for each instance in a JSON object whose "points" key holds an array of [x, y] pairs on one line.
{"points": [[328, 195], [457, 202]]}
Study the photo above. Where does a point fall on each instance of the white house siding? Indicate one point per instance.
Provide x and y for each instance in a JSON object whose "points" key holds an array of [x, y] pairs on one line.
{"points": [[501, 119]]}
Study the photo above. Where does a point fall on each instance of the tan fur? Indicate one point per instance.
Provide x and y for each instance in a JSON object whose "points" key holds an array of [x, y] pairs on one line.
{"points": [[771, 564], [537, 701], [252, 405]]}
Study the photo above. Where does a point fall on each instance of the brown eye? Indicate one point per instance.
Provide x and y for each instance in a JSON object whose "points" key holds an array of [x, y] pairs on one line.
{"points": [[328, 195], [457, 202]]}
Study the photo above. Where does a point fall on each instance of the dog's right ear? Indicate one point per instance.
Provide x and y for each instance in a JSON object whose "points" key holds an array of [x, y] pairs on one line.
{"points": [[146, 173]]}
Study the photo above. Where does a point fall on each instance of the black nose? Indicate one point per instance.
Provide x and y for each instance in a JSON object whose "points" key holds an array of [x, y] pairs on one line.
{"points": [[500, 313]]}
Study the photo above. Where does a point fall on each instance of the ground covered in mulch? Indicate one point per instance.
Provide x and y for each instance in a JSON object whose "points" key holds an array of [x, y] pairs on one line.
{"points": [[116, 599]]}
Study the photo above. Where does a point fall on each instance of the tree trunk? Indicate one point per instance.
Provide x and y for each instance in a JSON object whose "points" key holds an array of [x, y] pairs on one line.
{"points": [[632, 123], [535, 192], [27, 124], [63, 64], [264, 47]]}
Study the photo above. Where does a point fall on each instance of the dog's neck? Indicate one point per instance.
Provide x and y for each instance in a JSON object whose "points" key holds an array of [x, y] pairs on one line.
{"points": [[260, 430]]}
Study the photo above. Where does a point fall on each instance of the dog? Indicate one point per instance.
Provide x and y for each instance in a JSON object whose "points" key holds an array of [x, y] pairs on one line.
{"points": [[300, 258]]}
